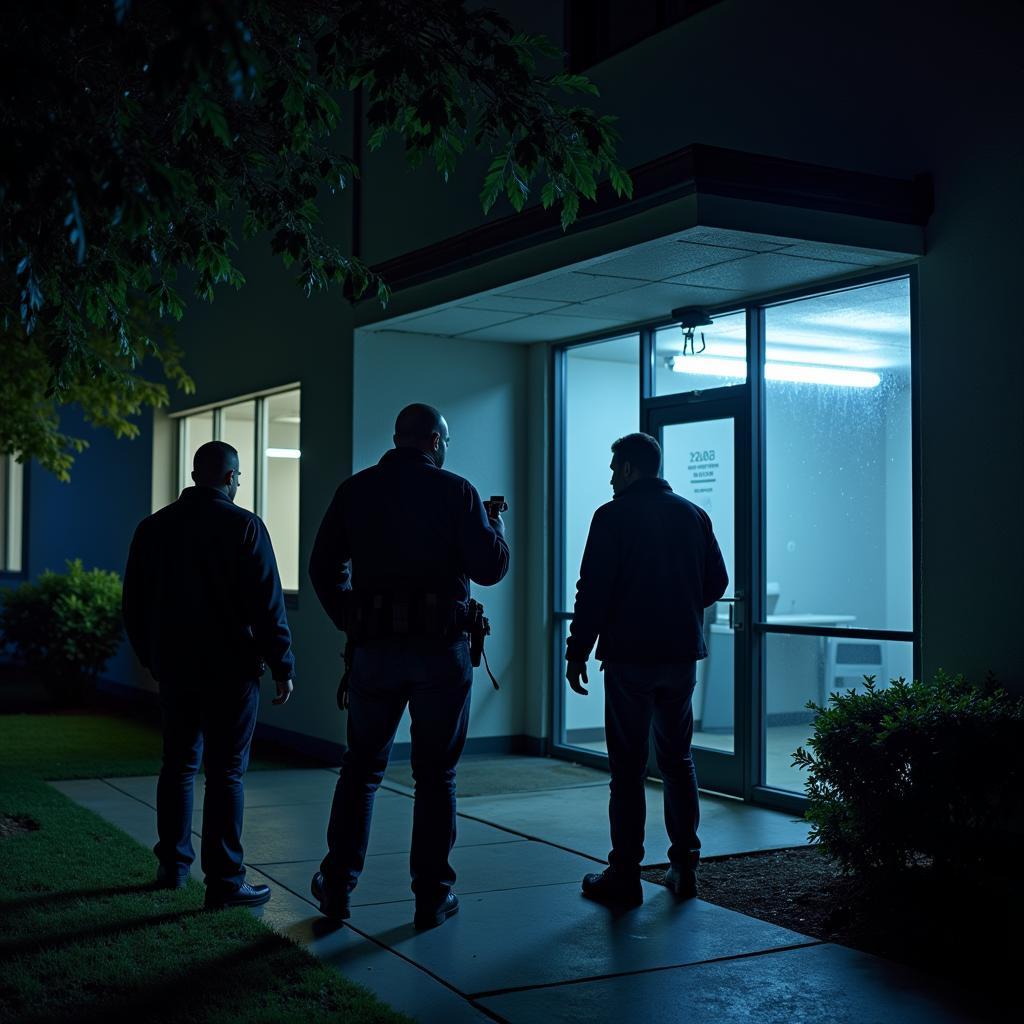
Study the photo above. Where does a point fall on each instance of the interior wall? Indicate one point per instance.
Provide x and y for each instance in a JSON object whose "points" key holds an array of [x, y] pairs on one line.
{"points": [[602, 404], [283, 513], [480, 389]]}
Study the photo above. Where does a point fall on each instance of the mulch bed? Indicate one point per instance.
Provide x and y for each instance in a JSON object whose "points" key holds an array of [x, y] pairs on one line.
{"points": [[969, 934]]}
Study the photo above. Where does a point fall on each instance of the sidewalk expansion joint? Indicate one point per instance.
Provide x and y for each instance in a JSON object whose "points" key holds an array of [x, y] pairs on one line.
{"points": [[646, 970]]}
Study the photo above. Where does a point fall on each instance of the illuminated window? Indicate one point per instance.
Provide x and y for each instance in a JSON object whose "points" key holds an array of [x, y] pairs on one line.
{"points": [[264, 430]]}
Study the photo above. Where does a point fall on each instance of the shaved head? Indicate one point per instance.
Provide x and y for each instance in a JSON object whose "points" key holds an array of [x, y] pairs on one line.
{"points": [[422, 426], [213, 462], [416, 423]]}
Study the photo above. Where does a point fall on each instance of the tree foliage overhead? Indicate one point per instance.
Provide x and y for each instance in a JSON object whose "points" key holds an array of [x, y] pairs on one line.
{"points": [[139, 135]]}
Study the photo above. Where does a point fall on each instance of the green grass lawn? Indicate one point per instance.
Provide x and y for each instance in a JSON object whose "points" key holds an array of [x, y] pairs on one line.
{"points": [[76, 745], [86, 938]]}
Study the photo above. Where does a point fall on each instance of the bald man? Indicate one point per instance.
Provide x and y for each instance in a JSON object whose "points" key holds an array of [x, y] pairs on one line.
{"points": [[204, 612], [392, 565]]}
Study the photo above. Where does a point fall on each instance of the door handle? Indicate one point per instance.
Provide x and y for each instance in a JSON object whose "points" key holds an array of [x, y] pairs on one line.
{"points": [[738, 612]]}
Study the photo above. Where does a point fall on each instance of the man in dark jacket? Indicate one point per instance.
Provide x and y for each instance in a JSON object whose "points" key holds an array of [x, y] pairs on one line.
{"points": [[391, 565], [650, 567], [204, 611]]}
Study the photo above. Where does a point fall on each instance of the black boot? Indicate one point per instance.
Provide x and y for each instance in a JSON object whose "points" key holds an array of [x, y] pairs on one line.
{"points": [[681, 882], [434, 914], [333, 906], [613, 888], [245, 895]]}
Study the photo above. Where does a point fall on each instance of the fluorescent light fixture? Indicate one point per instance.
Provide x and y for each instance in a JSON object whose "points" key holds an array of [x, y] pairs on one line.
{"points": [[814, 356], [283, 453], [710, 366], [287, 419], [799, 373]]}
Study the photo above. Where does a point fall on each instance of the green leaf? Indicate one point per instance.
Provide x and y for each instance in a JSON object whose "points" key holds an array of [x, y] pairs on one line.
{"points": [[493, 181], [294, 99], [212, 115], [574, 84], [570, 209], [622, 183]]}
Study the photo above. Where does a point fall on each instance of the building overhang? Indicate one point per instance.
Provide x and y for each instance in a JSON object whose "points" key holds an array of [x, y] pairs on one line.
{"points": [[705, 226]]}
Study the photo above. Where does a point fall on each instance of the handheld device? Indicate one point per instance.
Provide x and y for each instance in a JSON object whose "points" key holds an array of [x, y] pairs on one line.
{"points": [[496, 505]]}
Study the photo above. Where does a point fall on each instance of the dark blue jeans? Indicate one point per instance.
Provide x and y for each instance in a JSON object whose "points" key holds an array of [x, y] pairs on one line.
{"points": [[635, 696], [210, 721], [436, 687]]}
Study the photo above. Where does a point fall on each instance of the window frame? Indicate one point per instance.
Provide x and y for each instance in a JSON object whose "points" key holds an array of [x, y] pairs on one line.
{"points": [[5, 521], [258, 470], [753, 393]]}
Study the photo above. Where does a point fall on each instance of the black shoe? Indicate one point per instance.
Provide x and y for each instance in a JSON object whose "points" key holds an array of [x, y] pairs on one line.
{"points": [[681, 882], [437, 914], [245, 895], [168, 878], [333, 906], [613, 889]]}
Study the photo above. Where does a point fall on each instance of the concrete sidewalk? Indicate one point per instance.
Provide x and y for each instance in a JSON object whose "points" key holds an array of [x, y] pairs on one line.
{"points": [[525, 945]]}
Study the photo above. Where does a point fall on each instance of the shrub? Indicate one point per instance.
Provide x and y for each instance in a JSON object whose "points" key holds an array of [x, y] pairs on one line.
{"points": [[65, 626], [916, 774]]}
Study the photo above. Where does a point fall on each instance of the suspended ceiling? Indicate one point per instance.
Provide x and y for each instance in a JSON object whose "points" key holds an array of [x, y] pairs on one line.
{"points": [[700, 266]]}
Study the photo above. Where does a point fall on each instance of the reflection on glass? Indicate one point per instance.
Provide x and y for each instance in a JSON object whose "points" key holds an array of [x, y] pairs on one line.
{"points": [[717, 361], [602, 403], [799, 669], [699, 464], [238, 429], [838, 459], [281, 486]]}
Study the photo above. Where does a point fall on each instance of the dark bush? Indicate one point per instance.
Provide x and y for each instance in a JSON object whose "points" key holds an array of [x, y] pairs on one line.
{"points": [[65, 627], [917, 774]]}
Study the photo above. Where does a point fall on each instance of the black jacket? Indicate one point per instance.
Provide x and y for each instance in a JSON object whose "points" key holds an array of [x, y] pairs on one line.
{"points": [[404, 523], [202, 596], [650, 568]]}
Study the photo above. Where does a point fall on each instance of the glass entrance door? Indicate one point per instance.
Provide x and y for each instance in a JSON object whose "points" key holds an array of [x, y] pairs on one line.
{"points": [[703, 445]]}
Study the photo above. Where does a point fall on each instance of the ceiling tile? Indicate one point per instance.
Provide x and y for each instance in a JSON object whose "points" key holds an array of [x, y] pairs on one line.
{"points": [[570, 287], [543, 328], [652, 301], [585, 309], [764, 272], [657, 262], [508, 304], [454, 320], [843, 254], [735, 239]]}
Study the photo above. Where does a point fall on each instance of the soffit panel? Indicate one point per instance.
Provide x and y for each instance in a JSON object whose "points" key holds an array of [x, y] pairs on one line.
{"points": [[765, 272], [545, 328], [660, 262]]}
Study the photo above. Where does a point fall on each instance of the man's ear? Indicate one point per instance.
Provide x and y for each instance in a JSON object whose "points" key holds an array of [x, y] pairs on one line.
{"points": [[627, 468]]}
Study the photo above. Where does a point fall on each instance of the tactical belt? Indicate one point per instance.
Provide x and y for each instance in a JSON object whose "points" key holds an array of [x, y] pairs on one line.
{"points": [[390, 618]]}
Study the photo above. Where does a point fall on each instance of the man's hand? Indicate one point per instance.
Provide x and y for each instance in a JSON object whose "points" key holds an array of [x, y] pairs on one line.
{"points": [[576, 673], [284, 691], [497, 524]]}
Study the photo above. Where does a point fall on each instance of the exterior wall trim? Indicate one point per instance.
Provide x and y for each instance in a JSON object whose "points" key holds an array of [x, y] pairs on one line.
{"points": [[695, 170]]}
